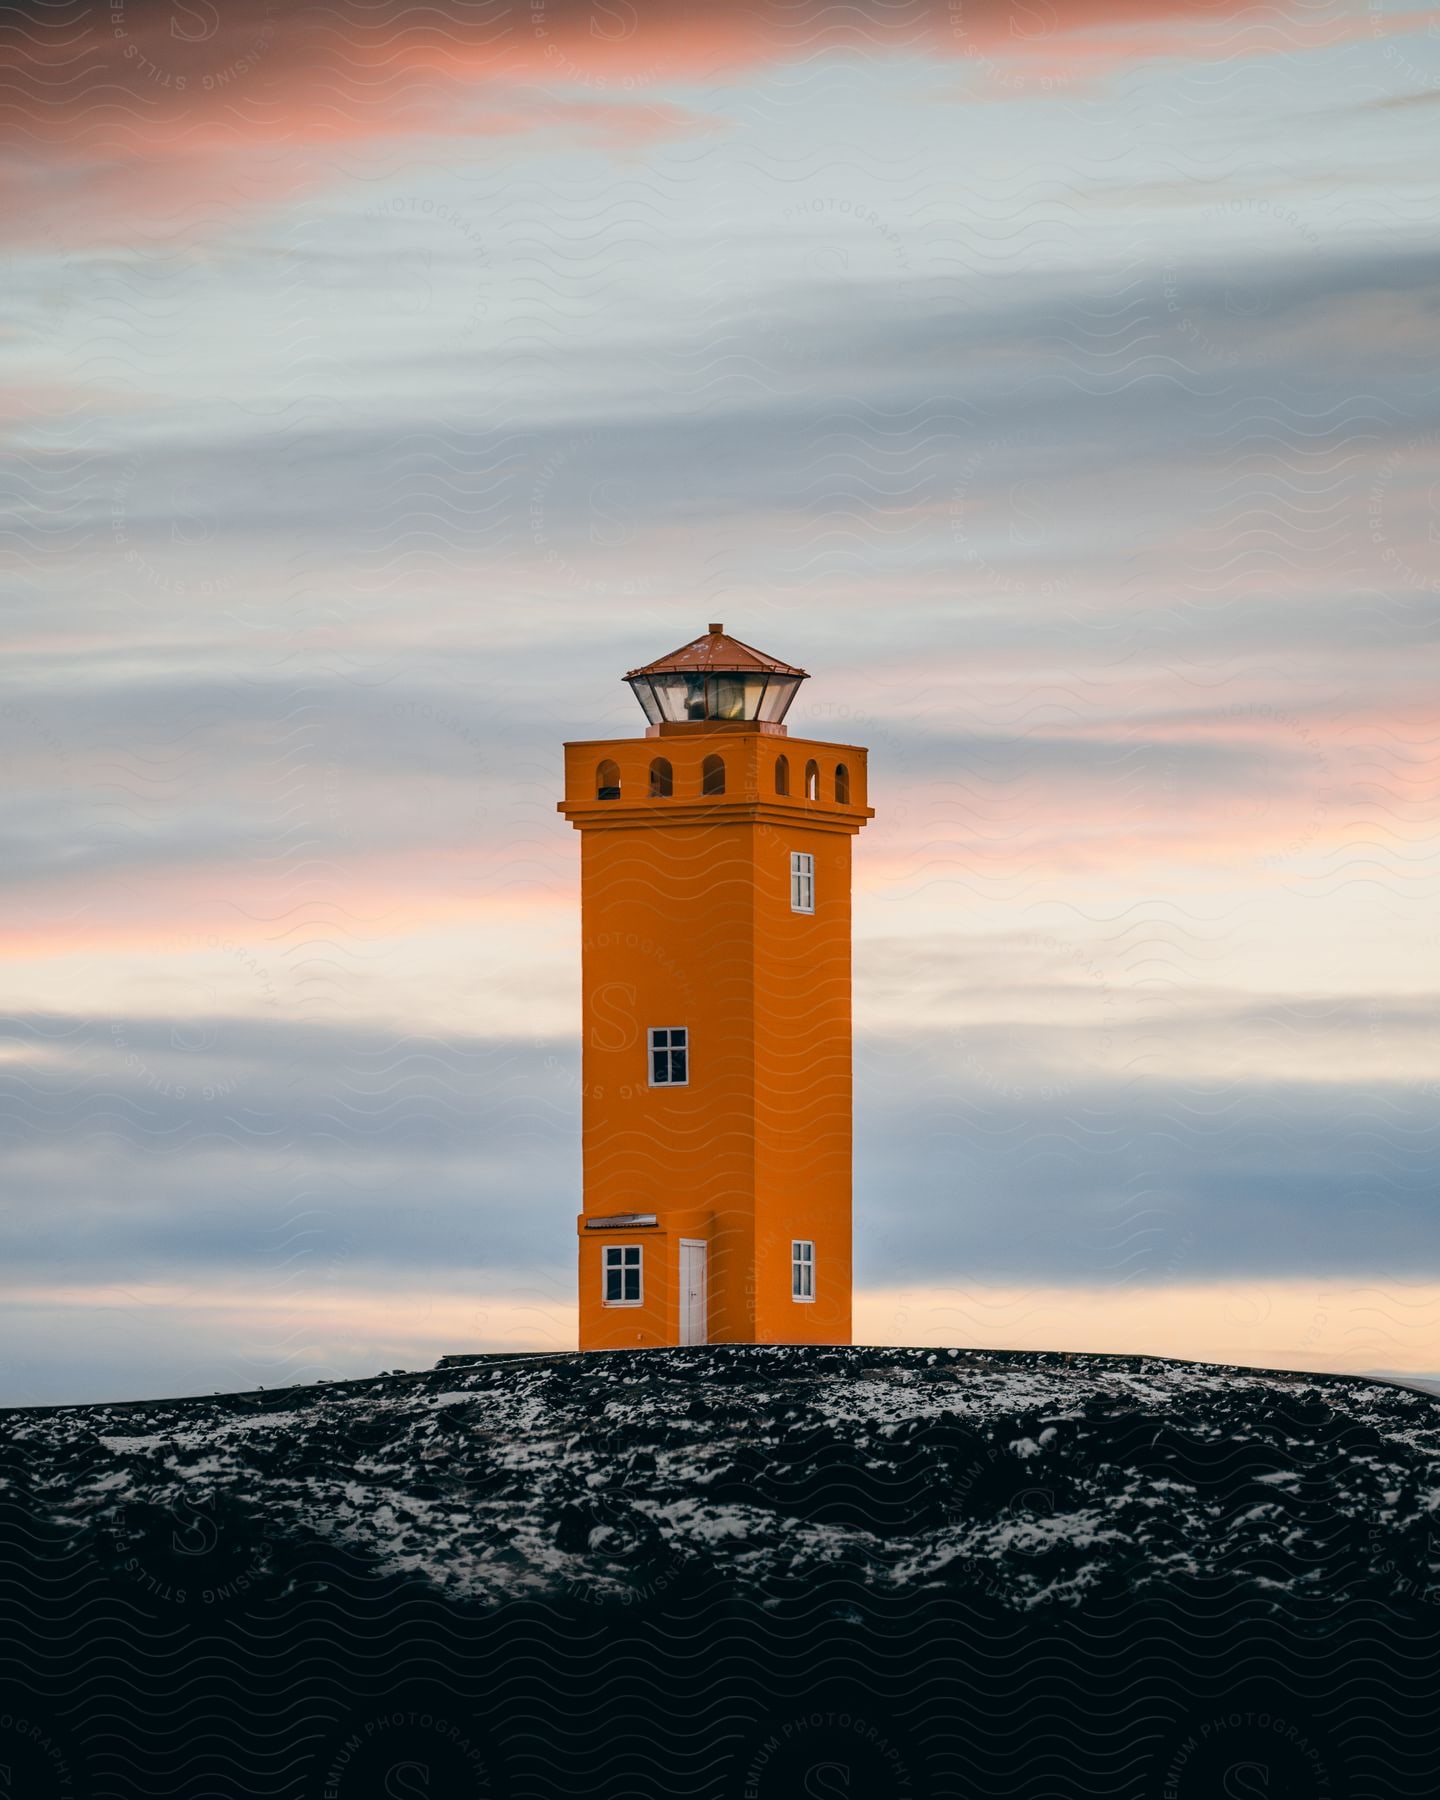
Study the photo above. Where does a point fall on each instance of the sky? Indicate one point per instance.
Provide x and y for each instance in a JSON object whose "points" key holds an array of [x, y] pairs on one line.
{"points": [[1056, 383]]}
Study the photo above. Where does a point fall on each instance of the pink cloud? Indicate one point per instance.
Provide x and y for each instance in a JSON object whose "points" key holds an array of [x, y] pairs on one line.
{"points": [[179, 113]]}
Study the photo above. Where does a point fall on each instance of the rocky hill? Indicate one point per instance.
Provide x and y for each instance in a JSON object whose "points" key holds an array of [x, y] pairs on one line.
{"points": [[694, 1571], [1041, 1479]]}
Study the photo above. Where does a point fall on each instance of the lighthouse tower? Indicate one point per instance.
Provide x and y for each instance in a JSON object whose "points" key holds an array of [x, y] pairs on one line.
{"points": [[715, 908]]}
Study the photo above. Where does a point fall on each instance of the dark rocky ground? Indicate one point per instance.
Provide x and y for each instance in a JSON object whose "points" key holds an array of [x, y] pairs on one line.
{"points": [[729, 1572]]}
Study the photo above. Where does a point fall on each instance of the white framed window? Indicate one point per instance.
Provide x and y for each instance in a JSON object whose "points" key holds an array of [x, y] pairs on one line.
{"points": [[669, 1055], [802, 1269], [802, 881], [622, 1283]]}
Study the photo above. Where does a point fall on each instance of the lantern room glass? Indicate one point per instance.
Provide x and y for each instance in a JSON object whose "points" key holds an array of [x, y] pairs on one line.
{"points": [[678, 698]]}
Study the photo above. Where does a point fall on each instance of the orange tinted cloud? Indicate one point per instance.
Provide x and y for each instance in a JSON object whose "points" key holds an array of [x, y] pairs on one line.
{"points": [[384, 897], [312, 1328], [183, 110], [1344, 1326]]}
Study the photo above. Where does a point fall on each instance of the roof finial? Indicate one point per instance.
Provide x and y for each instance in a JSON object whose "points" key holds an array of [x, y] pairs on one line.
{"points": [[717, 628]]}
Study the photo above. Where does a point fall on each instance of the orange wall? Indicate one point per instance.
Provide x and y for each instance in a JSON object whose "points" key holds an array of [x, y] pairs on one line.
{"points": [[630, 1327], [803, 1088], [686, 920]]}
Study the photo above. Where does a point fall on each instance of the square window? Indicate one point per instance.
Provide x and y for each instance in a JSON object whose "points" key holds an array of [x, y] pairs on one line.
{"points": [[802, 1269], [669, 1056], [802, 881], [622, 1275]]}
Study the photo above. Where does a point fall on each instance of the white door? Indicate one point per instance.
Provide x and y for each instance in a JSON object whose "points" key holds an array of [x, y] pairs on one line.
{"points": [[694, 1293]]}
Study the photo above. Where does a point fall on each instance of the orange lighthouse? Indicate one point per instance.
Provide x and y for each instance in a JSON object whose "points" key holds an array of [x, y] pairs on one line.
{"points": [[715, 908]]}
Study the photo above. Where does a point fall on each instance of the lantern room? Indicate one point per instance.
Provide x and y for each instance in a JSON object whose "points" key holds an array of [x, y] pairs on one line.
{"points": [[715, 680]]}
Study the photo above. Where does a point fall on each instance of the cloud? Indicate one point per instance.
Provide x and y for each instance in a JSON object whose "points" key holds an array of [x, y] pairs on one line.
{"points": [[161, 1148], [1348, 1327], [989, 449], [181, 112], [167, 1147], [1003, 1174], [1426, 98], [433, 796], [62, 1344]]}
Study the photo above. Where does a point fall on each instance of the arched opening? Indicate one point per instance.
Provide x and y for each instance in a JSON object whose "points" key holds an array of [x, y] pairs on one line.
{"points": [[712, 775], [812, 780], [662, 779], [607, 781], [842, 785], [782, 774]]}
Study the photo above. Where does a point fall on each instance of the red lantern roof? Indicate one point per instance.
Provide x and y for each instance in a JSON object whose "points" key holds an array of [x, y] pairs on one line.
{"points": [[714, 654]]}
